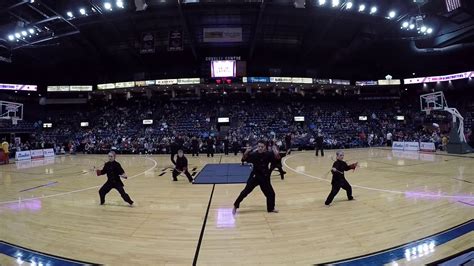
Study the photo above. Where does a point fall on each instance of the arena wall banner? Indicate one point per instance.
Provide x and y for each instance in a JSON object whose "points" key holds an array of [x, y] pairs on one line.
{"points": [[427, 146], [463, 75], [128, 84], [166, 81], [23, 155], [147, 45], [48, 153], [18, 87], [366, 83], [175, 41], [385, 82], [256, 79], [411, 146], [37, 154], [405, 146], [322, 81], [222, 34], [187, 81], [106, 86], [280, 79], [302, 80], [397, 145], [217, 58], [340, 82], [80, 88]]}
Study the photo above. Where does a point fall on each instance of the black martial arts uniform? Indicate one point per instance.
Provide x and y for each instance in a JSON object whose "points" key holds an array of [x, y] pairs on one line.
{"points": [[288, 143], [235, 147], [278, 165], [319, 145], [210, 147], [260, 177], [174, 147], [195, 146], [339, 181], [226, 146], [113, 170], [181, 165]]}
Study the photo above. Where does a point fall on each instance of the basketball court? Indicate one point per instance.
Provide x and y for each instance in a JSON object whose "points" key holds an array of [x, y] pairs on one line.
{"points": [[410, 208], [166, 77]]}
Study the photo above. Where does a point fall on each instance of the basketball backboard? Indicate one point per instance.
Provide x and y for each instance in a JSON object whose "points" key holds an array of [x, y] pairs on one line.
{"points": [[11, 110], [432, 102]]}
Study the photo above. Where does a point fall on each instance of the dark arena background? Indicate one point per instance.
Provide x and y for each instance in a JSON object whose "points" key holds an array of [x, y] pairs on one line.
{"points": [[180, 108]]}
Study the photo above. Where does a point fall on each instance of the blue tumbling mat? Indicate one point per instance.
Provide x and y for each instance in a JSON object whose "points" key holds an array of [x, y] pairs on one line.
{"points": [[226, 173]]}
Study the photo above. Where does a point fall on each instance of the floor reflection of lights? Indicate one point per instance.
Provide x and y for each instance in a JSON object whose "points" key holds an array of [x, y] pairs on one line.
{"points": [[419, 251], [33, 205], [225, 218], [32, 261]]}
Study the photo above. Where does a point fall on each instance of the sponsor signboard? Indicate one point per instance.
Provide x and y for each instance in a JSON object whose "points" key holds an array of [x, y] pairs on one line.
{"points": [[37, 154], [398, 145], [427, 146], [23, 155], [48, 152]]}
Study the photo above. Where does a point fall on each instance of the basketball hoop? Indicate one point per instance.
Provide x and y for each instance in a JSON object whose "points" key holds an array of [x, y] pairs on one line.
{"points": [[11, 110], [428, 111]]}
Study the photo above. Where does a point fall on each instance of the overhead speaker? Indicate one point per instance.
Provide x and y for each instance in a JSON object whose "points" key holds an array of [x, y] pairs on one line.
{"points": [[140, 5]]}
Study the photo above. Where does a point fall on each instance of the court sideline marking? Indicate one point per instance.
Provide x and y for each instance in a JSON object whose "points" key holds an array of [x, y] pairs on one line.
{"points": [[203, 228], [370, 188], [79, 190]]}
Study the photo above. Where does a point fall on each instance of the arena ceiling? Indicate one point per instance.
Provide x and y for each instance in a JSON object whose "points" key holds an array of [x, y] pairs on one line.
{"points": [[276, 39]]}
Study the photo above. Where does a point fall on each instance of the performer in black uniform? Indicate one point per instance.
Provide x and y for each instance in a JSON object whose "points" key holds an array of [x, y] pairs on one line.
{"points": [[277, 163], [174, 147], [245, 145], [226, 145], [235, 146], [261, 177], [114, 172], [288, 143], [195, 146], [210, 147], [338, 179], [181, 165], [319, 144]]}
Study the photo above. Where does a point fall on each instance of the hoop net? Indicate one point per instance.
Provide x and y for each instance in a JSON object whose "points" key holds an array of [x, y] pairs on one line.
{"points": [[428, 111]]}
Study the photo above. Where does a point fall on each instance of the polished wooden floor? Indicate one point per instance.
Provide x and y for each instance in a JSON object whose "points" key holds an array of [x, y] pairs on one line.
{"points": [[53, 207]]}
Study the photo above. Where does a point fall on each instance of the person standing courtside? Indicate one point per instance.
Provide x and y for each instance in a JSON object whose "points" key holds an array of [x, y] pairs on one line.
{"points": [[338, 179], [319, 144], [389, 139], [210, 147], [174, 147], [195, 146], [114, 172], [235, 146], [288, 143], [261, 175], [226, 145]]}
